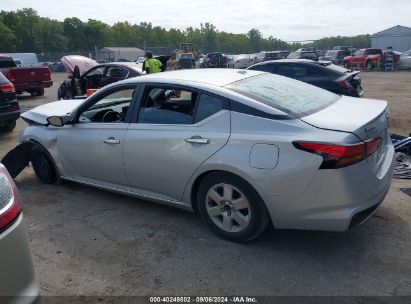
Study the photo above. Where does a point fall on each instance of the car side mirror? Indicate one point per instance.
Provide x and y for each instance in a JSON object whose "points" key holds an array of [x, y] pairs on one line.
{"points": [[58, 121]]}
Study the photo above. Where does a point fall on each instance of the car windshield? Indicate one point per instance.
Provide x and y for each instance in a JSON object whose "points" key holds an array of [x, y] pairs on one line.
{"points": [[288, 95]]}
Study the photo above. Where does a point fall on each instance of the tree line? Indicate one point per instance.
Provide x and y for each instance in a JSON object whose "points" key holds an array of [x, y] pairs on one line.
{"points": [[25, 31]]}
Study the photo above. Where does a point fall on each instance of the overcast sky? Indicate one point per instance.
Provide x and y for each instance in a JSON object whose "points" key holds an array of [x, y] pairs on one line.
{"points": [[285, 19]]}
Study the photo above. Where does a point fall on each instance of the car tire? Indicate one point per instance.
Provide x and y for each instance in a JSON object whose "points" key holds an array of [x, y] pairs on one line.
{"points": [[369, 65], [347, 65], [231, 207], [43, 166], [40, 92], [9, 126]]}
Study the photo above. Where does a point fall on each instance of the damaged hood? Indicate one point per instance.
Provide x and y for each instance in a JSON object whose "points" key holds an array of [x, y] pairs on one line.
{"points": [[40, 114], [84, 63]]}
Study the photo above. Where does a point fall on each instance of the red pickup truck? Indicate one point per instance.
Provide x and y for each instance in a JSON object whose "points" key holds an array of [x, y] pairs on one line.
{"points": [[367, 58], [26, 79]]}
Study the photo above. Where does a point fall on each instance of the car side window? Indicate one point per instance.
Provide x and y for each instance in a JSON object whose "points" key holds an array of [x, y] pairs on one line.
{"points": [[116, 72], [264, 68], [208, 105], [110, 108], [292, 70], [167, 105], [95, 72]]}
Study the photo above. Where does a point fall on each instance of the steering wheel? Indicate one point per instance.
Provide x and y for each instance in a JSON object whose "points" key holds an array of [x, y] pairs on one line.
{"points": [[111, 116]]}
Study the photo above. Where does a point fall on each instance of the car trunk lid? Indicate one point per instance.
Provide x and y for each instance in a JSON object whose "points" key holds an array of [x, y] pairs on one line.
{"points": [[366, 118]]}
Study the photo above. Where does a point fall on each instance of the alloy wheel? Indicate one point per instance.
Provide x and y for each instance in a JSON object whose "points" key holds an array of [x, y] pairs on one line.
{"points": [[228, 207]]}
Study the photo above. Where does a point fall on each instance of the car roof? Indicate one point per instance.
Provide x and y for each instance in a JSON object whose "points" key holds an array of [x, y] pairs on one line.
{"points": [[287, 61], [215, 77]]}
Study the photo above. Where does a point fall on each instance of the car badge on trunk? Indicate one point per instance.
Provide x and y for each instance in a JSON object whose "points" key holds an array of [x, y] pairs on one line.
{"points": [[370, 132]]}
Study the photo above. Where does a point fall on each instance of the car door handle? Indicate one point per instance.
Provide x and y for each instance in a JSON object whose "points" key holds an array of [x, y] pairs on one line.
{"points": [[197, 140], [111, 141]]}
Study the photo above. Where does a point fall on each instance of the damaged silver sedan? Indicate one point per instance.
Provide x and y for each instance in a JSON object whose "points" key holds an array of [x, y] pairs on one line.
{"points": [[241, 148]]}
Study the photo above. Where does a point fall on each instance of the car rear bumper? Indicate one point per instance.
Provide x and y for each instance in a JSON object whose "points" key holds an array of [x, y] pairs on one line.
{"points": [[17, 277], [335, 200], [28, 86], [9, 116]]}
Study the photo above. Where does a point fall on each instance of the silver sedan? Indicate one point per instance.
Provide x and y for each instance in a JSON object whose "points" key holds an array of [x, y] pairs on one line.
{"points": [[18, 281], [241, 148]]}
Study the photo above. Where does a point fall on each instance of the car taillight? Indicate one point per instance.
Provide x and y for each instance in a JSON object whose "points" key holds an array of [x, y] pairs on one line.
{"points": [[7, 87], [10, 76], [339, 156], [48, 73], [10, 206], [345, 84]]}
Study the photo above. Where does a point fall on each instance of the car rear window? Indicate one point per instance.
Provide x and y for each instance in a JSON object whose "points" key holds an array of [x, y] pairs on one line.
{"points": [[7, 62], [285, 94], [337, 68]]}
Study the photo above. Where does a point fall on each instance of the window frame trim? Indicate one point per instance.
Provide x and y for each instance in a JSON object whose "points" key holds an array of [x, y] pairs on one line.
{"points": [[143, 91]]}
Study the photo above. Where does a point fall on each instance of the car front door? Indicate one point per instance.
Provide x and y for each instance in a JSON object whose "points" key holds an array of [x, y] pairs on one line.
{"points": [[175, 131], [91, 149]]}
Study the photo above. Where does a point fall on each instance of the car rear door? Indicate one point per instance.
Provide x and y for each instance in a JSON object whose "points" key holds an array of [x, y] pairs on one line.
{"points": [[175, 131]]}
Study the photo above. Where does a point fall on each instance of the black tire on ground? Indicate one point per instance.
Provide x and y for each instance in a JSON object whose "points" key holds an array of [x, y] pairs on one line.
{"points": [[258, 216], [40, 92], [37, 92], [347, 65], [43, 166], [369, 65], [8, 126]]}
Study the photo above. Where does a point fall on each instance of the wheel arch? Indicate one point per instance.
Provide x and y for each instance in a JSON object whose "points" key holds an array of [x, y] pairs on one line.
{"points": [[48, 154], [192, 188]]}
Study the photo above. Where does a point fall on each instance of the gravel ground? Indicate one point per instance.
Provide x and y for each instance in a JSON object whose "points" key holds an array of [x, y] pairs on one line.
{"points": [[91, 242]]}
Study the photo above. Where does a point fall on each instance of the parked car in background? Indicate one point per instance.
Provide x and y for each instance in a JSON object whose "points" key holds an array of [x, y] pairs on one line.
{"points": [[18, 62], [265, 56], [240, 61], [335, 56], [215, 60], [250, 148], [342, 48], [56, 67], [404, 61], [184, 61], [9, 106], [91, 75], [367, 58], [324, 75], [141, 59], [301, 54], [26, 79], [17, 277]]}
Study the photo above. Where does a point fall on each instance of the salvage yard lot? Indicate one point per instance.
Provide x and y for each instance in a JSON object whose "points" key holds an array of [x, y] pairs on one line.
{"points": [[91, 242]]}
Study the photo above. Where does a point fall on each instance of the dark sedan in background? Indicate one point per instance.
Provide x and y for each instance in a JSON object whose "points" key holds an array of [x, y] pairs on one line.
{"points": [[85, 73], [9, 106], [325, 75]]}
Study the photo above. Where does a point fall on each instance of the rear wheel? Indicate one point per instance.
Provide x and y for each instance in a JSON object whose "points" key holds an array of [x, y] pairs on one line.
{"points": [[37, 92], [8, 126], [369, 65], [347, 65], [231, 207], [43, 166]]}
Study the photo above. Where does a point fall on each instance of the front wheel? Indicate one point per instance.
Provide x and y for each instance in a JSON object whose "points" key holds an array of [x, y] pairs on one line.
{"points": [[231, 207], [347, 65], [43, 166]]}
